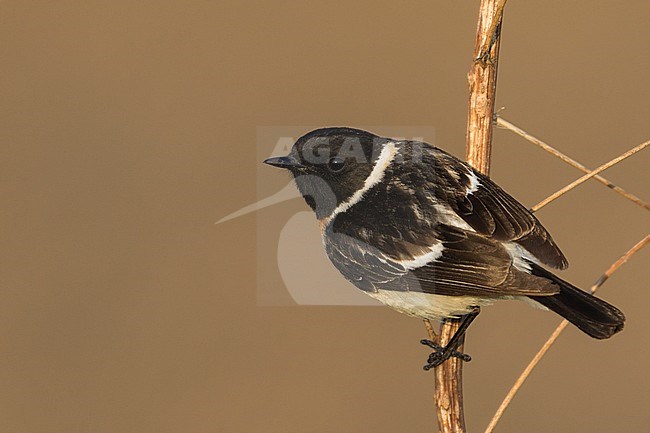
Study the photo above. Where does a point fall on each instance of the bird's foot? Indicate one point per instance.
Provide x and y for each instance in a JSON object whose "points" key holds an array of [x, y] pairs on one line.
{"points": [[441, 354]]}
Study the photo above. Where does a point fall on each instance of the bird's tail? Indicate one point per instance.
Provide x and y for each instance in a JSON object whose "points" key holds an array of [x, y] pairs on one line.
{"points": [[592, 315]]}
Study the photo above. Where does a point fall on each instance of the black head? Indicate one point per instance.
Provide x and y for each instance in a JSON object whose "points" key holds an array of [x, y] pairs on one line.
{"points": [[331, 164]]}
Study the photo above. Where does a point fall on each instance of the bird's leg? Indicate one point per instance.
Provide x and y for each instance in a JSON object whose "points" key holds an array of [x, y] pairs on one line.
{"points": [[441, 354]]}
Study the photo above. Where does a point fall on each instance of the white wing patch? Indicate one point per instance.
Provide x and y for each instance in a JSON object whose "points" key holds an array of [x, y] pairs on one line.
{"points": [[474, 183], [421, 260], [520, 257], [447, 216]]}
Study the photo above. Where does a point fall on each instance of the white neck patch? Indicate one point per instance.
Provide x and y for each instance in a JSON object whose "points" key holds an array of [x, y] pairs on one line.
{"points": [[376, 175]]}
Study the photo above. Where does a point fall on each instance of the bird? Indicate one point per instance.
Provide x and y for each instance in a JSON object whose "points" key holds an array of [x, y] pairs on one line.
{"points": [[430, 236]]}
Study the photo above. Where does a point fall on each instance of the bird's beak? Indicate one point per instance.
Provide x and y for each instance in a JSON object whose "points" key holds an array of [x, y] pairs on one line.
{"points": [[288, 162]]}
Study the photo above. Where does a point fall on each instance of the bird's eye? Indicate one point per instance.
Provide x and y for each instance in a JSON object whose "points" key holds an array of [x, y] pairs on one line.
{"points": [[336, 164]]}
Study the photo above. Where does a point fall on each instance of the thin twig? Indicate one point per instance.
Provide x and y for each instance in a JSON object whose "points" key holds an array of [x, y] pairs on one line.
{"points": [[524, 375], [620, 262], [432, 333], [589, 175], [547, 345], [501, 122]]}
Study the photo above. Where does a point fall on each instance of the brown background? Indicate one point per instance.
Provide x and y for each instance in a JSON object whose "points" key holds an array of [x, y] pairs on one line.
{"points": [[128, 128]]}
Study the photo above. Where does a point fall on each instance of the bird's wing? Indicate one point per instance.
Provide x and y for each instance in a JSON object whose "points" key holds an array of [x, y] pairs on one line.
{"points": [[492, 212], [462, 264], [474, 265]]}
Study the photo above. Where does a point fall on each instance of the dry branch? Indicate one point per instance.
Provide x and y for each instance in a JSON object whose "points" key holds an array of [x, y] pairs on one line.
{"points": [[556, 333], [572, 162], [482, 79], [432, 333], [589, 175]]}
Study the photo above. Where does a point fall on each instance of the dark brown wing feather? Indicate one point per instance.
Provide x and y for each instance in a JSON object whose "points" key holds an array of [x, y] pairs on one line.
{"points": [[492, 212], [474, 265], [470, 265]]}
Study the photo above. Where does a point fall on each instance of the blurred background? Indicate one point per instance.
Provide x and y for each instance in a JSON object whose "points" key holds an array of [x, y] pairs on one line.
{"points": [[129, 128]]}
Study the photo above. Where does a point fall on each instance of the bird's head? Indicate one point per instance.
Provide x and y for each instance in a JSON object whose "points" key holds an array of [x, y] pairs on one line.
{"points": [[331, 166]]}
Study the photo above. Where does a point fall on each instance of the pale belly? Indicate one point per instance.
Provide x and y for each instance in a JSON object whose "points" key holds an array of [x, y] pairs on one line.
{"points": [[428, 306]]}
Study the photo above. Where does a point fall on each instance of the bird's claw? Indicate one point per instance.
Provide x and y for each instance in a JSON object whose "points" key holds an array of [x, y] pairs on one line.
{"points": [[441, 354]]}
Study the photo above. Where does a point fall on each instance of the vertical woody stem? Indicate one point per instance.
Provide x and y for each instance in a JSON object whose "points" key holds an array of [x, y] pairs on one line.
{"points": [[482, 80], [482, 86]]}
